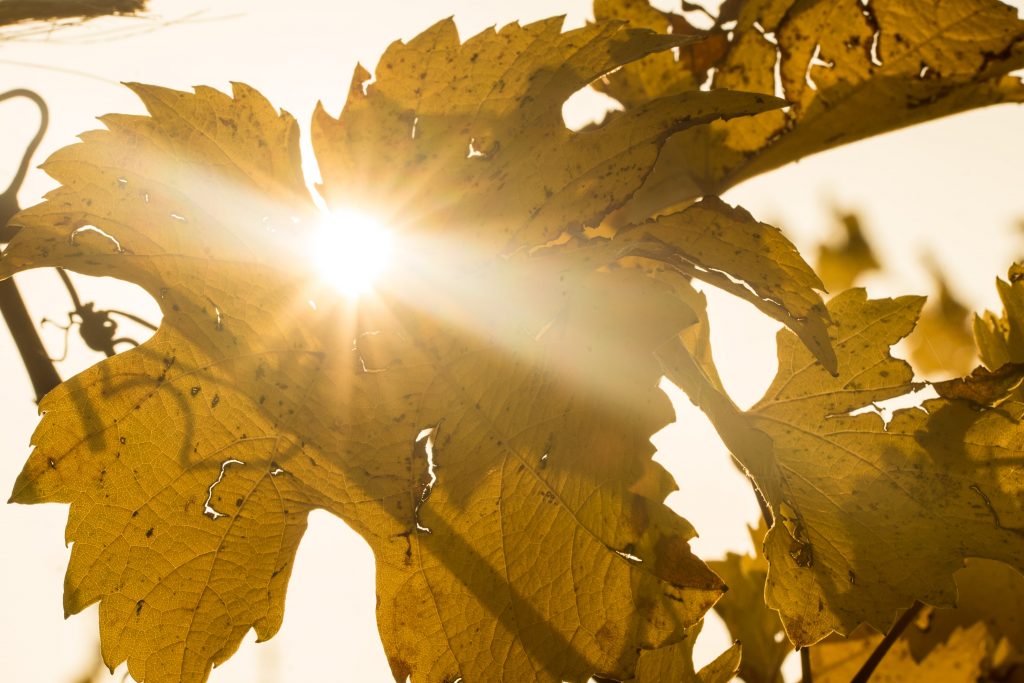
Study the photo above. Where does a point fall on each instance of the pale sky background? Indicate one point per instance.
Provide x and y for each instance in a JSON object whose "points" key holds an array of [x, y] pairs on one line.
{"points": [[951, 187]]}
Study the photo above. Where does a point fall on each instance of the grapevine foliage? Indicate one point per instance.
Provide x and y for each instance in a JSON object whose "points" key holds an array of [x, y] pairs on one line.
{"points": [[483, 420]]}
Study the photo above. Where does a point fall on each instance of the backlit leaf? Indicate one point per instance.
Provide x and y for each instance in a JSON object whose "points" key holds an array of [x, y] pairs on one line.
{"points": [[869, 514], [483, 419], [726, 247], [961, 659], [1000, 337], [675, 663], [840, 265], [942, 344], [748, 619], [851, 69], [988, 592]]}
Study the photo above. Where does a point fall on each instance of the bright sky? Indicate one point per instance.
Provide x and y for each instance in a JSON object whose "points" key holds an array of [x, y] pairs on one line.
{"points": [[950, 188]]}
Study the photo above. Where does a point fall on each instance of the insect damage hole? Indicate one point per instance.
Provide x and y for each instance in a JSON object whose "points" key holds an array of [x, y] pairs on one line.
{"points": [[208, 509], [473, 152], [816, 61], [874, 49], [887, 408], [86, 229], [628, 555], [586, 107], [424, 446]]}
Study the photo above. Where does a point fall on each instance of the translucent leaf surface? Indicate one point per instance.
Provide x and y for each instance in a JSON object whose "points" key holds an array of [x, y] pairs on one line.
{"points": [[482, 420], [675, 663], [870, 513], [748, 618], [851, 69], [961, 659]]}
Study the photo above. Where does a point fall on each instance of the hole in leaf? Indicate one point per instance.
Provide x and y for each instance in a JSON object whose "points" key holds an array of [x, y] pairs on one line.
{"points": [[473, 152], [424, 445], [85, 229], [207, 507], [815, 61], [874, 49], [587, 107]]}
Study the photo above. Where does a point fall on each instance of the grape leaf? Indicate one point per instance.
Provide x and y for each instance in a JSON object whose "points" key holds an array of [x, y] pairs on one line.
{"points": [[675, 663], [840, 265], [961, 659], [748, 619], [1000, 337], [661, 73], [869, 515], [726, 247], [989, 592], [483, 421], [851, 69], [978, 640], [942, 343], [984, 387]]}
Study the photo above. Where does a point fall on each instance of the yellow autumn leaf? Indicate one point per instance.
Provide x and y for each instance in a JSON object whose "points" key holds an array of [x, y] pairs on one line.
{"points": [[870, 514], [984, 387], [675, 663], [662, 73], [942, 343], [726, 247], [482, 417], [960, 659], [840, 265], [1000, 337], [988, 592], [850, 69], [748, 619]]}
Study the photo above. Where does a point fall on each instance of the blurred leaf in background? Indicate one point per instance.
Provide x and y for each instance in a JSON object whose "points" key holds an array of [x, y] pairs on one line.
{"points": [[841, 263], [745, 614]]}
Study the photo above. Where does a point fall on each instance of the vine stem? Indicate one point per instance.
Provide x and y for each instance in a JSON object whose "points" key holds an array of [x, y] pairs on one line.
{"points": [[37, 362], [41, 371], [883, 647], [805, 665], [9, 198]]}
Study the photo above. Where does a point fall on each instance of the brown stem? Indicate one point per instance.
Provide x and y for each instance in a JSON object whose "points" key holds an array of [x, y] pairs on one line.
{"points": [[883, 647], [9, 198], [805, 665], [40, 369]]}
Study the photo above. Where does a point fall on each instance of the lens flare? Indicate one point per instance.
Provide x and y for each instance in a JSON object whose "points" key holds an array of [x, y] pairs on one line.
{"points": [[351, 251]]}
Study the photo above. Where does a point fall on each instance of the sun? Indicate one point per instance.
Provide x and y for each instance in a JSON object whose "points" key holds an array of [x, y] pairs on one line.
{"points": [[351, 251]]}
